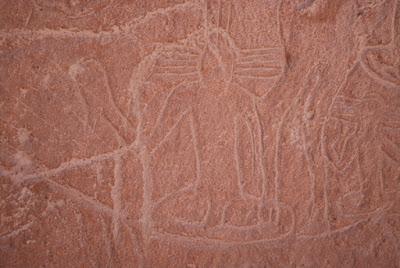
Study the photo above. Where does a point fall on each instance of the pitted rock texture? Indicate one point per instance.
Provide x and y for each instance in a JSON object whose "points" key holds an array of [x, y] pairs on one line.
{"points": [[200, 133]]}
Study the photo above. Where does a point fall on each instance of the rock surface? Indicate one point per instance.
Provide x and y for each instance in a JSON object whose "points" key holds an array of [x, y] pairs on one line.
{"points": [[200, 133]]}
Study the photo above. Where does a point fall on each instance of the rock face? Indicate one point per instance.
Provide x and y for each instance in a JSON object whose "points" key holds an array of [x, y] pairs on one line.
{"points": [[200, 133]]}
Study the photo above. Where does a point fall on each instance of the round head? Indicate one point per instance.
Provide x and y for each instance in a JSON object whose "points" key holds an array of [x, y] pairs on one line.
{"points": [[217, 59]]}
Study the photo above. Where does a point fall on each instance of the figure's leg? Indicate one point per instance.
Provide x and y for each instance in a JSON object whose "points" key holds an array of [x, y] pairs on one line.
{"points": [[370, 168]]}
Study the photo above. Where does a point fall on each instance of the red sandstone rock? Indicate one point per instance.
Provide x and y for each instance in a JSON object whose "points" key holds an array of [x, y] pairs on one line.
{"points": [[202, 133]]}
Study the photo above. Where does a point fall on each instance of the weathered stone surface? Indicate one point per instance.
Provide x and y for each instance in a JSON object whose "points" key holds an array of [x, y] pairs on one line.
{"points": [[200, 133]]}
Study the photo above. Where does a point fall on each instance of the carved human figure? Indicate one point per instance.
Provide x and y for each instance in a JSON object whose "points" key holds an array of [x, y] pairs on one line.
{"points": [[363, 132], [342, 121], [208, 123]]}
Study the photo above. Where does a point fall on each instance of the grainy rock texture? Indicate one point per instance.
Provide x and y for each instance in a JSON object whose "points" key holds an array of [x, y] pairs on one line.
{"points": [[200, 133]]}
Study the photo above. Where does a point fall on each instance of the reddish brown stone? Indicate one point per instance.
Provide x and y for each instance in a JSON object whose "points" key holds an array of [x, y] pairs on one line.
{"points": [[200, 133]]}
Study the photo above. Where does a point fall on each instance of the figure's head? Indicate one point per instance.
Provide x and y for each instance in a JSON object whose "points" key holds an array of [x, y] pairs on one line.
{"points": [[218, 57], [239, 37]]}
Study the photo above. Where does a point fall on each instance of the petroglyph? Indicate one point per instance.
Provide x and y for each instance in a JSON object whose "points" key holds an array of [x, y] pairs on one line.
{"points": [[222, 133], [213, 64]]}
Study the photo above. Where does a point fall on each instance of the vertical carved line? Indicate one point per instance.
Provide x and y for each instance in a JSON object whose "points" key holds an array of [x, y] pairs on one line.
{"points": [[116, 196], [237, 157]]}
